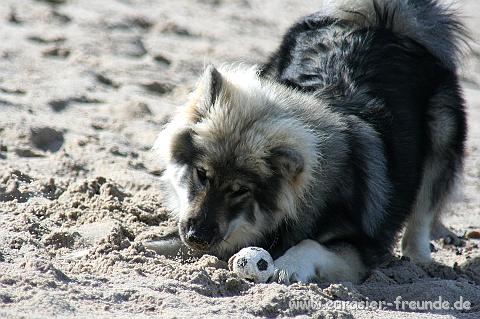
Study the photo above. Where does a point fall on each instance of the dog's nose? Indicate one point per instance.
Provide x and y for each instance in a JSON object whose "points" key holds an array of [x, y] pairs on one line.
{"points": [[197, 239], [198, 234]]}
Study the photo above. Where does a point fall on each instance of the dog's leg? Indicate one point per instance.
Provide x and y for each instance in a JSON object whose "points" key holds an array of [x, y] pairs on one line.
{"points": [[310, 260], [416, 239], [425, 222], [447, 129]]}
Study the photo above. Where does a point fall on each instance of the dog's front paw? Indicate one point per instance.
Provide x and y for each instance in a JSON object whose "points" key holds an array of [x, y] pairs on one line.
{"points": [[309, 260], [284, 276], [289, 270]]}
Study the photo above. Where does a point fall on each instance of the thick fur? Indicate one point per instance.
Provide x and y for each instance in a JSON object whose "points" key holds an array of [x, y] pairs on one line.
{"points": [[423, 21], [354, 128]]}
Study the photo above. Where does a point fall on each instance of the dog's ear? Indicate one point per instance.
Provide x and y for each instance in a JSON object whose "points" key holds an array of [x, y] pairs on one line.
{"points": [[207, 92], [212, 85], [287, 161]]}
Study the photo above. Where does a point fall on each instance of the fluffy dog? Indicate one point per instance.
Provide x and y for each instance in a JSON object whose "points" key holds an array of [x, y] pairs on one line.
{"points": [[353, 129]]}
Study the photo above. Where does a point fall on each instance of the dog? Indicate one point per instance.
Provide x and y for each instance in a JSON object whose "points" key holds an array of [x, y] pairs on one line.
{"points": [[351, 131]]}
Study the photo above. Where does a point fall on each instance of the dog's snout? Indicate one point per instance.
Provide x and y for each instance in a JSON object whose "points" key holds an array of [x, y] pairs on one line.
{"points": [[197, 239], [199, 235]]}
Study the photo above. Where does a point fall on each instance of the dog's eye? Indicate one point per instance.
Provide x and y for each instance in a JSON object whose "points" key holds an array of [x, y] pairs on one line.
{"points": [[201, 175], [241, 191]]}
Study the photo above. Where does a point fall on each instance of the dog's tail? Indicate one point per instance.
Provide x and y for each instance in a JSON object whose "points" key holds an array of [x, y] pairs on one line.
{"points": [[433, 23]]}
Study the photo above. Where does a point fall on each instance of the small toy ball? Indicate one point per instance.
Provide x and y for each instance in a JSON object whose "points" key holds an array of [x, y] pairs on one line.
{"points": [[252, 263]]}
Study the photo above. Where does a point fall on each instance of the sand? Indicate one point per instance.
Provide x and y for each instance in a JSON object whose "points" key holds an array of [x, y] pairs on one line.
{"points": [[85, 86]]}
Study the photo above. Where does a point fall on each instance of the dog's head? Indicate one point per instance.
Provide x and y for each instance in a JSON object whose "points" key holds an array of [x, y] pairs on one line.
{"points": [[237, 161]]}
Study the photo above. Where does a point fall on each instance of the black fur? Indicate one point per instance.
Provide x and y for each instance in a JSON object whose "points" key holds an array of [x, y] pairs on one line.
{"points": [[389, 82]]}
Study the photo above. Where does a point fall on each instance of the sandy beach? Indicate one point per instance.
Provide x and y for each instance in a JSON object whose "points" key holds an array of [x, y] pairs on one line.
{"points": [[85, 87]]}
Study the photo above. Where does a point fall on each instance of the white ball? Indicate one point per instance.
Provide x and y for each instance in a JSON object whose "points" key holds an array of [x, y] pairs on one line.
{"points": [[252, 263]]}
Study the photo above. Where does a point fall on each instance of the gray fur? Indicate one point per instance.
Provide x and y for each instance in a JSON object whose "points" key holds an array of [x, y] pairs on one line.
{"points": [[422, 20]]}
